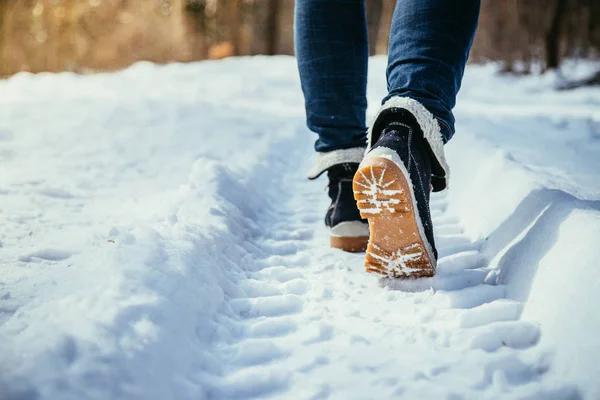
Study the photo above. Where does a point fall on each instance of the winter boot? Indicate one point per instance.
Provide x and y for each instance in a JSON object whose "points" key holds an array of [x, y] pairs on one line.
{"points": [[349, 232], [404, 162]]}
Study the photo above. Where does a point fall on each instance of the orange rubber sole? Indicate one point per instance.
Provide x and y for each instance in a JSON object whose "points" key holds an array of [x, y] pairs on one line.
{"points": [[350, 244], [396, 248]]}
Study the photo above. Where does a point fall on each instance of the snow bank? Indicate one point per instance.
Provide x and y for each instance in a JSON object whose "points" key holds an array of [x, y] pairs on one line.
{"points": [[161, 284], [126, 223], [542, 245]]}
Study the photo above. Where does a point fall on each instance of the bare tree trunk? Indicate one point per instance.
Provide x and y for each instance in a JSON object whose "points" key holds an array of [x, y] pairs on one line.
{"points": [[510, 35], [374, 10], [593, 24], [235, 10], [195, 20], [385, 22], [272, 27], [3, 35], [258, 22], [553, 36]]}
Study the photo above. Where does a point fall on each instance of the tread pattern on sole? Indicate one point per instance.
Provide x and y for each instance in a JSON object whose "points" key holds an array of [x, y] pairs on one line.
{"points": [[375, 193], [395, 248]]}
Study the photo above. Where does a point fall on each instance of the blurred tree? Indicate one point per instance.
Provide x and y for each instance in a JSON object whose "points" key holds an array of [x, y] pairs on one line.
{"points": [[523, 34], [385, 22], [374, 11], [593, 23], [196, 28], [3, 34], [553, 36], [234, 13], [272, 29]]}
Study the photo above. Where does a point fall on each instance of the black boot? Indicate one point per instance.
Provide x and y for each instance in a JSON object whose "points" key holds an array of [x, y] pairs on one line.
{"points": [[349, 232], [392, 187]]}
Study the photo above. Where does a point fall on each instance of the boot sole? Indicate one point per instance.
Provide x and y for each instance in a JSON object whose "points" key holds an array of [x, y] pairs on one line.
{"points": [[350, 244], [384, 196]]}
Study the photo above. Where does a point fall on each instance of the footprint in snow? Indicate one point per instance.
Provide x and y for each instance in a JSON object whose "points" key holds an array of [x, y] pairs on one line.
{"points": [[45, 254]]}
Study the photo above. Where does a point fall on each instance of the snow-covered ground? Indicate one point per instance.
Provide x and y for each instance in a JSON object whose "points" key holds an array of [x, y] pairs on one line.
{"points": [[159, 240]]}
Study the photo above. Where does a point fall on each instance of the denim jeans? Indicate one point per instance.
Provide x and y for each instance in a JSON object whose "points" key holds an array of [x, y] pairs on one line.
{"points": [[429, 45]]}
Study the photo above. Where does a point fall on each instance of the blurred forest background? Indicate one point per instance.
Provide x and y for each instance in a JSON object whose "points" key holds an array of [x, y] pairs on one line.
{"points": [[97, 35]]}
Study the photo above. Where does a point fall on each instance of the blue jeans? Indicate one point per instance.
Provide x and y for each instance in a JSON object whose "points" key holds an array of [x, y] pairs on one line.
{"points": [[429, 45]]}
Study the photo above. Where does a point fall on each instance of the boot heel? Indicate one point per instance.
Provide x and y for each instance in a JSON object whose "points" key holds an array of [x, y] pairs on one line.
{"points": [[396, 247], [350, 244]]}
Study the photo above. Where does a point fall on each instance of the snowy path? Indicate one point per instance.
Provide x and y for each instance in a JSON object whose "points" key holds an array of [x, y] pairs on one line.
{"points": [[159, 240], [314, 325]]}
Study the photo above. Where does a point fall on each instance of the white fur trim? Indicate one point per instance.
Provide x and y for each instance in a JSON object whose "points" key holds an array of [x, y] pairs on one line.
{"points": [[336, 157], [429, 125], [350, 229], [384, 152]]}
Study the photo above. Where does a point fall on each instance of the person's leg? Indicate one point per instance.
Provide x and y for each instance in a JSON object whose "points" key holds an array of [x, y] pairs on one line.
{"points": [[332, 52], [430, 42], [429, 45]]}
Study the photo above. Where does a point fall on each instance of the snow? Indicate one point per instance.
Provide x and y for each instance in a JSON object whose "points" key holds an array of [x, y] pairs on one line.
{"points": [[159, 240]]}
